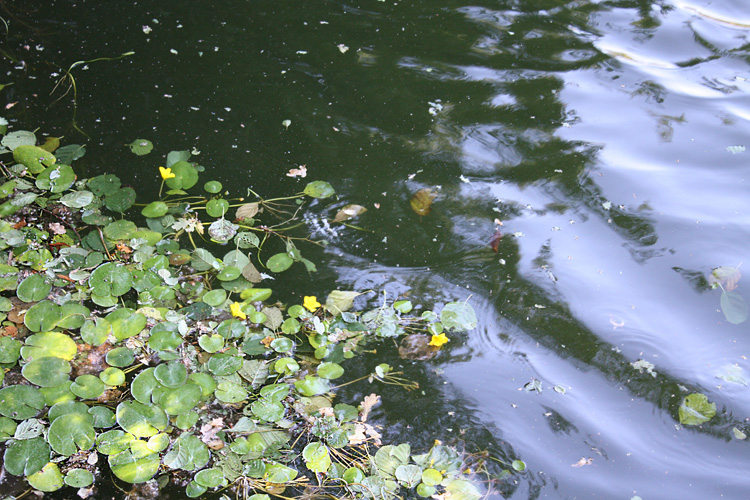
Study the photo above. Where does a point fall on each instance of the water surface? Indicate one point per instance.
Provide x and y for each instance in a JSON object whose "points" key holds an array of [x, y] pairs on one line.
{"points": [[602, 134]]}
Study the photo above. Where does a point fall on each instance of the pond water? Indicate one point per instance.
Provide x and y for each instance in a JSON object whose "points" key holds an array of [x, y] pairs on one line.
{"points": [[606, 136]]}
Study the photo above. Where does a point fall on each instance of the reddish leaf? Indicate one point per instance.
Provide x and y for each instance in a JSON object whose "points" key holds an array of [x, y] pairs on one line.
{"points": [[495, 240]]}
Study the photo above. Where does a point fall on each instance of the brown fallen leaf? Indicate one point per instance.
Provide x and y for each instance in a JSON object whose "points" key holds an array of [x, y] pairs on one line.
{"points": [[367, 405], [247, 211], [728, 277], [421, 201], [495, 240], [349, 212]]}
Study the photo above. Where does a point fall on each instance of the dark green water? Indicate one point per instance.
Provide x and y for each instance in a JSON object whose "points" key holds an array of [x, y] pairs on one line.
{"points": [[597, 132]]}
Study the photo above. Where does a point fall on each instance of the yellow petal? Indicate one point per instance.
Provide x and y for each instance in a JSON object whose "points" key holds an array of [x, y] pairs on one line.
{"points": [[166, 173], [236, 309], [438, 340], [311, 303]]}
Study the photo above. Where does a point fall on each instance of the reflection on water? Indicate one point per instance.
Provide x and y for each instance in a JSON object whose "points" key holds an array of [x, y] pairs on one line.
{"points": [[596, 132]]}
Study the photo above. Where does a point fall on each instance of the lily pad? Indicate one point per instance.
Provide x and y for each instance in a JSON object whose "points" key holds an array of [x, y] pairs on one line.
{"points": [[46, 344], [56, 178], [34, 158], [279, 262], [319, 189], [734, 307], [186, 176], [172, 374], [70, 433], [130, 468], [48, 371], [79, 478], [120, 200], [141, 147], [33, 288], [88, 387], [181, 399], [141, 420], [110, 279], [458, 316], [120, 357], [48, 479], [24, 457]]}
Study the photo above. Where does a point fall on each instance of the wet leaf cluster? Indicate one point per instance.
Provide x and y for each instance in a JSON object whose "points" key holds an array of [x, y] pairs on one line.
{"points": [[130, 344]]}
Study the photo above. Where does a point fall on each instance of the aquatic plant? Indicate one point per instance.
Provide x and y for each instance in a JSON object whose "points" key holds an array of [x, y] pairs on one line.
{"points": [[130, 343]]}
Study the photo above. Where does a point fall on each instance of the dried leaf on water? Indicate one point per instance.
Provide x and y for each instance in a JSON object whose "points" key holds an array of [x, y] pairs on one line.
{"points": [[247, 211], [495, 240], [727, 276], [349, 212], [421, 201]]}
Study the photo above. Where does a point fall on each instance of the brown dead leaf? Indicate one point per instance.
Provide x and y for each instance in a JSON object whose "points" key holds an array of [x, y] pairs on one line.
{"points": [[728, 277], [421, 201], [363, 432], [367, 405], [251, 273], [495, 240], [349, 212], [248, 210]]}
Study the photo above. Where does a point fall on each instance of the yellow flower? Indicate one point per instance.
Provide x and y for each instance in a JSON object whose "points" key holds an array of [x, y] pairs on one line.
{"points": [[236, 309], [438, 340], [166, 173], [311, 303]]}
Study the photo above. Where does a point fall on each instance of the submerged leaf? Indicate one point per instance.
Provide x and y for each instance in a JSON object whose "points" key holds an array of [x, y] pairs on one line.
{"points": [[421, 201], [349, 212], [734, 307], [696, 409]]}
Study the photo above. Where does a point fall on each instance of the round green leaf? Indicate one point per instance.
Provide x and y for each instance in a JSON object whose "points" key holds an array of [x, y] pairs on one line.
{"points": [[353, 475], [112, 376], [458, 316], [42, 316], [56, 178], [113, 442], [155, 209], [194, 490], [143, 386], [312, 386], [33, 289], [126, 322], [330, 371], [230, 393], [319, 189], [282, 345], [120, 357], [66, 407], [279, 262], [70, 433], [87, 387], [432, 477], [105, 184], [224, 364], [212, 187], [10, 350], [317, 457], [210, 478], [48, 479], [181, 399], [79, 478], [49, 344], [425, 491], [132, 468], [211, 343], [229, 273], [141, 146], [110, 279], [186, 176], [96, 332], [186, 420], [141, 420], [206, 381], [217, 207], [48, 371], [120, 230], [172, 374], [102, 417], [215, 298], [24, 457], [120, 200]]}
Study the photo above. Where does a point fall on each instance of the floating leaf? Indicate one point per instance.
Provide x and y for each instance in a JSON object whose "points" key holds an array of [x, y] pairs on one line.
{"points": [[330, 371], [24, 457], [34, 158], [141, 147], [120, 200], [18, 138], [279, 262], [421, 201], [247, 211], [317, 457], [20, 402], [48, 479], [69, 153], [734, 307], [33, 289], [339, 301], [155, 209], [181, 399], [56, 178], [79, 478], [141, 420], [458, 316], [172, 374], [186, 176], [210, 478], [696, 409], [133, 469], [319, 189], [727, 276], [218, 207], [88, 387], [349, 212], [48, 371], [70, 433]]}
